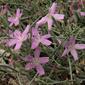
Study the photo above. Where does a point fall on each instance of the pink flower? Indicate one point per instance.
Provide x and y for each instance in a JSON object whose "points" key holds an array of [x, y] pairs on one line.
{"points": [[37, 39], [15, 19], [36, 62], [71, 47], [48, 18], [17, 38], [82, 13]]}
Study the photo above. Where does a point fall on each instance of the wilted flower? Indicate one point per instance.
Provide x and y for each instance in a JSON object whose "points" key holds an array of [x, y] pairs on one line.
{"points": [[48, 18], [37, 39], [80, 4], [17, 37], [15, 19], [10, 61], [36, 62], [3, 9], [71, 8], [71, 47]]}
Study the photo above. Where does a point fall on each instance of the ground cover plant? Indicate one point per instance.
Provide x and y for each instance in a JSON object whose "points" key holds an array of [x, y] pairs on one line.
{"points": [[42, 42]]}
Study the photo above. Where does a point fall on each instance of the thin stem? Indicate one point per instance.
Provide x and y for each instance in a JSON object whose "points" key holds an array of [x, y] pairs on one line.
{"points": [[53, 82], [33, 79], [53, 55], [35, 21], [9, 67], [70, 68], [19, 80]]}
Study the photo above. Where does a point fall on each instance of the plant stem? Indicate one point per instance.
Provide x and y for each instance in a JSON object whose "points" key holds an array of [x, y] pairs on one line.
{"points": [[70, 69], [32, 79], [19, 80]]}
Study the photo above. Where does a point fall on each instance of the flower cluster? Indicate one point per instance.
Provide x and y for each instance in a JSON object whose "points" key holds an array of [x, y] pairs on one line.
{"points": [[17, 38]]}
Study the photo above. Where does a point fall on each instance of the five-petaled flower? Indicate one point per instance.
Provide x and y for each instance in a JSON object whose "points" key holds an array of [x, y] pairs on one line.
{"points": [[37, 39], [71, 47], [14, 20], [48, 18], [36, 62], [17, 37]]}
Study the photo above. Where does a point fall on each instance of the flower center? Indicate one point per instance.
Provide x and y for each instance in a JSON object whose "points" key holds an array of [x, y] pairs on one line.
{"points": [[37, 38], [49, 16], [70, 46], [36, 61], [20, 38]]}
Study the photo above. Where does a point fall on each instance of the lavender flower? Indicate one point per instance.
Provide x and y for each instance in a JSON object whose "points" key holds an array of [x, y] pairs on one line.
{"points": [[71, 47], [17, 38], [37, 39], [15, 19], [36, 62], [48, 18]]}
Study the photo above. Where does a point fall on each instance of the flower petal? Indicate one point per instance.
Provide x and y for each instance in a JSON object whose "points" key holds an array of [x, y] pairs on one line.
{"points": [[74, 54], [70, 42], [35, 32], [29, 66], [28, 58], [41, 21], [50, 23], [37, 52], [40, 70], [80, 46], [16, 22], [65, 52], [43, 60], [35, 44], [82, 13], [18, 46], [17, 33], [26, 30], [11, 35], [58, 16], [11, 24], [25, 34], [52, 10], [11, 42], [46, 36], [11, 19], [46, 42], [18, 14]]}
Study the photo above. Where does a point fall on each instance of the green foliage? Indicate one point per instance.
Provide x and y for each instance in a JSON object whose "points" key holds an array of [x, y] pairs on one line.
{"points": [[59, 71]]}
